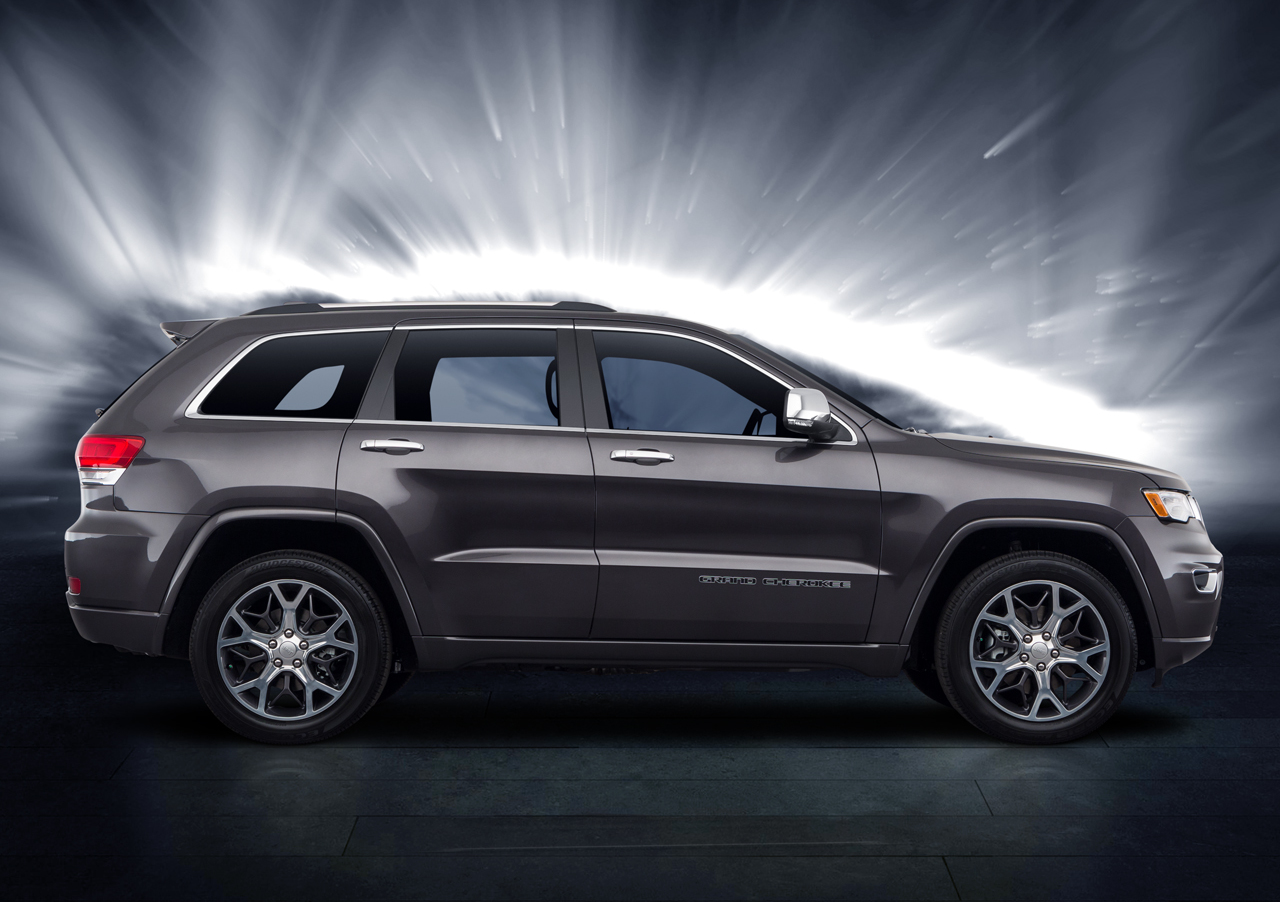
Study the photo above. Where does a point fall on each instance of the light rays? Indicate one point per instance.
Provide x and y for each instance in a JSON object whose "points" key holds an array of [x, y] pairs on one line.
{"points": [[1045, 218]]}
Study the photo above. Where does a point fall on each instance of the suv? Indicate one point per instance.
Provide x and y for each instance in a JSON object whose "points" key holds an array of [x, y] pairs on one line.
{"points": [[311, 502]]}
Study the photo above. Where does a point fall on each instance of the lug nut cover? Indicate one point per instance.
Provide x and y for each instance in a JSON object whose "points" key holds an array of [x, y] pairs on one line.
{"points": [[288, 634], [271, 644], [1025, 657], [277, 662], [1026, 639], [1047, 637], [1040, 667]]}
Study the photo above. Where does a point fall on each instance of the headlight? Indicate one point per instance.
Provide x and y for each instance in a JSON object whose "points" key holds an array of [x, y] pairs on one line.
{"points": [[1169, 505]]}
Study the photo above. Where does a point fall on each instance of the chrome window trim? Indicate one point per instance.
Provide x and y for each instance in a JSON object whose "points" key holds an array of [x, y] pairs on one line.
{"points": [[758, 438], [732, 353], [465, 425], [416, 327], [193, 409]]}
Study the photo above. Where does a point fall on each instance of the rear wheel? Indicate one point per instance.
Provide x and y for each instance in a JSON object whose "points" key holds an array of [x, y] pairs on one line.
{"points": [[1035, 647], [290, 647]]}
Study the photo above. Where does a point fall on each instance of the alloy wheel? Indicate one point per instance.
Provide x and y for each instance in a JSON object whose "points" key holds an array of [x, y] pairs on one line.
{"points": [[287, 650], [1039, 650]]}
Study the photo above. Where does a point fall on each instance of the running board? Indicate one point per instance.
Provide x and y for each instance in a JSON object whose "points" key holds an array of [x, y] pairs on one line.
{"points": [[452, 653]]}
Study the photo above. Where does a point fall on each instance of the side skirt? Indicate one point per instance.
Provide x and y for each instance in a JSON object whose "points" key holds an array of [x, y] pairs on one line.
{"points": [[452, 652]]}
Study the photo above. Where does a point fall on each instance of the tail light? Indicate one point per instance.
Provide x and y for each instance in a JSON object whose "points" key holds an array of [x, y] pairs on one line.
{"points": [[104, 458], [73, 585]]}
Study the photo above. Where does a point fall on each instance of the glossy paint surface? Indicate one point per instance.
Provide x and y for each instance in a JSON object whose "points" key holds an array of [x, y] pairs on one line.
{"points": [[520, 533], [735, 509]]}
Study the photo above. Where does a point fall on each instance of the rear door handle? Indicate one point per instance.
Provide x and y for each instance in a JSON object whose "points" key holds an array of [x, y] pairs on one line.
{"points": [[649, 457], [390, 445]]}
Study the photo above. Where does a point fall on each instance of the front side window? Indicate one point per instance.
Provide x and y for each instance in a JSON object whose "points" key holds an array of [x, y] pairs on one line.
{"points": [[662, 383], [315, 376], [503, 377]]}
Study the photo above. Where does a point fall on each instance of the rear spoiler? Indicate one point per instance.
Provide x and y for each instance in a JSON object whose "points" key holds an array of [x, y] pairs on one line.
{"points": [[180, 332]]}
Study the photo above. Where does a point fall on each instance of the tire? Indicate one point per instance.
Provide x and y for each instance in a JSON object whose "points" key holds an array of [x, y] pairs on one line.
{"points": [[395, 682], [927, 682], [1024, 688], [325, 623]]}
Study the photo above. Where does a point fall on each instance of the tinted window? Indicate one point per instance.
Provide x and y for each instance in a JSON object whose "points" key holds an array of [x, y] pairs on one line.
{"points": [[322, 376], [661, 383], [499, 376]]}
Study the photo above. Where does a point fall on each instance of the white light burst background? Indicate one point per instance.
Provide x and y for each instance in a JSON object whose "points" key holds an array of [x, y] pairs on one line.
{"points": [[1051, 221]]}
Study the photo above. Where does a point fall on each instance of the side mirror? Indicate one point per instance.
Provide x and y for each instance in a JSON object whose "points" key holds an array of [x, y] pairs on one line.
{"points": [[808, 413]]}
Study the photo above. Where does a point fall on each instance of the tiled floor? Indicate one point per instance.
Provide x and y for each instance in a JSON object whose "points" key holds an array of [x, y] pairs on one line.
{"points": [[481, 785]]}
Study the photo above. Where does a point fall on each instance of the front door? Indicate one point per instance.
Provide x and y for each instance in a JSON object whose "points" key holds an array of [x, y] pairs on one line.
{"points": [[713, 522], [471, 461]]}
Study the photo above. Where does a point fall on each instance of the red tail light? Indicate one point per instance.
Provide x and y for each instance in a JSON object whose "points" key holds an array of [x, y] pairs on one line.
{"points": [[73, 585], [112, 451]]}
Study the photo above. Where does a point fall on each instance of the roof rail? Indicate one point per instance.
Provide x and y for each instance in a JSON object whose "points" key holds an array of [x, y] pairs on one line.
{"points": [[305, 307]]}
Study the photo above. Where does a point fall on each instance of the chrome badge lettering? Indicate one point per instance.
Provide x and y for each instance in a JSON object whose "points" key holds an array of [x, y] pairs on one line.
{"points": [[728, 580], [810, 583]]}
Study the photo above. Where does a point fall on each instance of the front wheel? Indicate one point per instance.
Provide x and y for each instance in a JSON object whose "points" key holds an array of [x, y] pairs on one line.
{"points": [[290, 647], [1035, 647]]}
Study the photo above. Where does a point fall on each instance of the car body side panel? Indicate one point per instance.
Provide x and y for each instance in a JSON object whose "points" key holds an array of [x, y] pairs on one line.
{"points": [[931, 491], [496, 520], [792, 529], [125, 560], [208, 466]]}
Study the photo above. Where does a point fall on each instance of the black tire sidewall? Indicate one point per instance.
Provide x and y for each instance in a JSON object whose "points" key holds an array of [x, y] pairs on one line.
{"points": [[972, 595], [372, 639]]}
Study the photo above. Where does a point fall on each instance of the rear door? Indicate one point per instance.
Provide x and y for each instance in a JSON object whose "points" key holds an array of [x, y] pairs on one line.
{"points": [[713, 522], [470, 458]]}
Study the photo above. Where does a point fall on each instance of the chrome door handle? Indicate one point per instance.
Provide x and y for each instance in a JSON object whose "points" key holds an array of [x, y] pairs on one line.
{"points": [[648, 457], [390, 445]]}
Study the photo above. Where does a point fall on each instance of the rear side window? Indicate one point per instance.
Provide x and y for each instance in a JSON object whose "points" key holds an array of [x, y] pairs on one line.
{"points": [[485, 376], [314, 376], [661, 383]]}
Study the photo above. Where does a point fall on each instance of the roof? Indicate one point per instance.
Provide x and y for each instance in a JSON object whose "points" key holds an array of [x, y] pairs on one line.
{"points": [[305, 307]]}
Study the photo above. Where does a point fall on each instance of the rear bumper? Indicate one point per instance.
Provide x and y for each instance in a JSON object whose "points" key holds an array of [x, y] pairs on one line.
{"points": [[137, 631]]}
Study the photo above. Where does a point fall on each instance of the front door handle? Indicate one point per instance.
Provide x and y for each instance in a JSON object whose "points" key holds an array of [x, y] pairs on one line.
{"points": [[390, 445], [648, 457]]}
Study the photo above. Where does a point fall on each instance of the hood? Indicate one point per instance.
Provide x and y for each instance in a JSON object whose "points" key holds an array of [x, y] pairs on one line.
{"points": [[999, 447]]}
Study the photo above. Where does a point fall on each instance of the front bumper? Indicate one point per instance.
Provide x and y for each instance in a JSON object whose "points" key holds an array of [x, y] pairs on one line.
{"points": [[1184, 574]]}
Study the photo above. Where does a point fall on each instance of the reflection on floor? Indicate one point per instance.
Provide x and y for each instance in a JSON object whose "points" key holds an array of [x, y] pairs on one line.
{"points": [[118, 783]]}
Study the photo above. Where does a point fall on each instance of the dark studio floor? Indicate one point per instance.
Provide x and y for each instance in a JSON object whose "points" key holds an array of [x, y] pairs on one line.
{"points": [[486, 785]]}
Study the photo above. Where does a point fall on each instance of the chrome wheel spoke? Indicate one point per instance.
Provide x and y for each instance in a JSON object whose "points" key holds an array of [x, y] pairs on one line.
{"points": [[330, 636], [307, 624], [1039, 650], [1044, 694], [1082, 661]]}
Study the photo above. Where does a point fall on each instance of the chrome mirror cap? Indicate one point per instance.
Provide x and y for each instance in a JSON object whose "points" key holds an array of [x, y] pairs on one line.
{"points": [[808, 413]]}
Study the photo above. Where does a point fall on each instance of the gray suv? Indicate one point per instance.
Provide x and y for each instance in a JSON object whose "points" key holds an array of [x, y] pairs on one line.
{"points": [[312, 502]]}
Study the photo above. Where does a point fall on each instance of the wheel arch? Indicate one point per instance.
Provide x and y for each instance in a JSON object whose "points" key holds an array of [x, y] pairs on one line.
{"points": [[236, 535], [979, 541]]}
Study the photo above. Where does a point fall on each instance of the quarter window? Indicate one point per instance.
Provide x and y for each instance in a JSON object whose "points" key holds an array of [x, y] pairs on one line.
{"points": [[662, 383], [486, 376], [314, 376]]}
